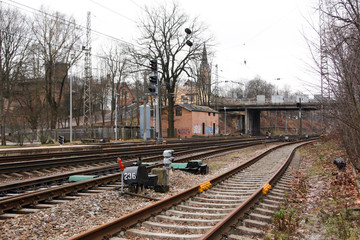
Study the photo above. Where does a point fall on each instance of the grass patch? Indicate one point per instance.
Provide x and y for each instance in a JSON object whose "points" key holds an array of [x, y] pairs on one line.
{"points": [[286, 220], [234, 154], [215, 165], [340, 223], [9, 146], [320, 205], [250, 150]]}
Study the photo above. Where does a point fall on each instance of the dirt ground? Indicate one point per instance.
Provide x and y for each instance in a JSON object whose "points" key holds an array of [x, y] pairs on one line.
{"points": [[324, 202]]}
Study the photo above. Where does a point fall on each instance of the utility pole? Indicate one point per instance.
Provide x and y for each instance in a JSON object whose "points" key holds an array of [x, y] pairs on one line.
{"points": [[71, 102], [116, 107], [88, 77], [157, 105], [216, 87], [323, 59], [154, 89], [145, 112]]}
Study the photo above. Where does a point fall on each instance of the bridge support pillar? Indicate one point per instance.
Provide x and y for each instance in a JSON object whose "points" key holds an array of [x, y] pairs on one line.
{"points": [[241, 123], [252, 122]]}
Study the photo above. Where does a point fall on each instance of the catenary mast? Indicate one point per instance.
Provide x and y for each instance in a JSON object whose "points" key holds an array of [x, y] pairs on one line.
{"points": [[88, 77], [323, 57]]}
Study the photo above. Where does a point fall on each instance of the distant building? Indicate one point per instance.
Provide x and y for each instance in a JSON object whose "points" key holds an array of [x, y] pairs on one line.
{"points": [[317, 98], [125, 96], [302, 98], [277, 99], [260, 99], [193, 120], [188, 93]]}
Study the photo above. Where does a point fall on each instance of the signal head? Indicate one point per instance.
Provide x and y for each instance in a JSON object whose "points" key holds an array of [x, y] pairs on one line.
{"points": [[153, 79], [153, 65]]}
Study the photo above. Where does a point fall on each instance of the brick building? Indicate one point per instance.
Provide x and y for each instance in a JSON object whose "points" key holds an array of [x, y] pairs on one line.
{"points": [[193, 120]]}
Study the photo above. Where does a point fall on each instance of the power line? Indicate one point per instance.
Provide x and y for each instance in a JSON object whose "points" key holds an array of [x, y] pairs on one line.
{"points": [[111, 10], [138, 5], [34, 11], [74, 50]]}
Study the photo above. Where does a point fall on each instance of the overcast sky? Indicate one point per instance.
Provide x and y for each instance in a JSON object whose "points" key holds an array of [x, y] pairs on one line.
{"points": [[268, 35]]}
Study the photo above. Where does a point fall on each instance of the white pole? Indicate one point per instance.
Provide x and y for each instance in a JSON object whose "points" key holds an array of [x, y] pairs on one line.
{"points": [[122, 181], [71, 134], [144, 117], [115, 117], [157, 119], [71, 103]]}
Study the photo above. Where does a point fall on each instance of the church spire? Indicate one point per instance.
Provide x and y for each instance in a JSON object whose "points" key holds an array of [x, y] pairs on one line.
{"points": [[204, 60]]}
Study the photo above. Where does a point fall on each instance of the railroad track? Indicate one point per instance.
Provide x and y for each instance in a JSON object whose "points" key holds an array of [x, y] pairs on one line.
{"points": [[258, 221], [205, 215], [16, 201], [17, 164], [19, 169], [23, 185], [60, 152]]}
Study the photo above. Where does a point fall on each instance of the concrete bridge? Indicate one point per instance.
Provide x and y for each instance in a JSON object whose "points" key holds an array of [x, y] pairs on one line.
{"points": [[250, 119]]}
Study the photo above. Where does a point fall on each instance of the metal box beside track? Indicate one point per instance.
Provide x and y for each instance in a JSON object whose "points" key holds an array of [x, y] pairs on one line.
{"points": [[153, 181], [135, 175]]}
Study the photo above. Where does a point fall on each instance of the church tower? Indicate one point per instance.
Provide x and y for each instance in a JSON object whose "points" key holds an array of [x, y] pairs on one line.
{"points": [[204, 78]]}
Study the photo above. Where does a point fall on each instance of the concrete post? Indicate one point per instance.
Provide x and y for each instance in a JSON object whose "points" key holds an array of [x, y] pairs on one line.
{"points": [[247, 122]]}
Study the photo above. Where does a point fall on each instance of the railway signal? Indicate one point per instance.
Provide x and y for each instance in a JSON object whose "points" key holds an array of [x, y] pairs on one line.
{"points": [[188, 32], [61, 140], [153, 85], [153, 64], [153, 79], [122, 167]]}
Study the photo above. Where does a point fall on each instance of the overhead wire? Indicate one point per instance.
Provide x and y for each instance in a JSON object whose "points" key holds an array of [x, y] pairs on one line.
{"points": [[113, 11], [137, 5], [36, 11]]}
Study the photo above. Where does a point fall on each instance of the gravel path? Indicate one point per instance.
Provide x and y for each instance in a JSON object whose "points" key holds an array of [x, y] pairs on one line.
{"points": [[73, 217]]}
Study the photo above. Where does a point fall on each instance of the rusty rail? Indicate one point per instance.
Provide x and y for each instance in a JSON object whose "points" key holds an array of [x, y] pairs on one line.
{"points": [[130, 219], [224, 226], [16, 202]]}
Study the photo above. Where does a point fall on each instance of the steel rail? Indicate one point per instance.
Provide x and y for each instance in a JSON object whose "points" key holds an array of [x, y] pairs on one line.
{"points": [[60, 177], [54, 178], [98, 158], [16, 202], [130, 219], [114, 149], [223, 227]]}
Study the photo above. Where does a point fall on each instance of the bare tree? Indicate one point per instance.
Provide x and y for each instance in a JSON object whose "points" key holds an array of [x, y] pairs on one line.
{"points": [[78, 99], [31, 104], [101, 89], [137, 88], [236, 92], [259, 87], [116, 60], [58, 40], [13, 47], [342, 38], [164, 39]]}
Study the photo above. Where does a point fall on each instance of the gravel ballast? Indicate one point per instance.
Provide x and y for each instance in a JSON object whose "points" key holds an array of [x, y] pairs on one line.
{"points": [[71, 218]]}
